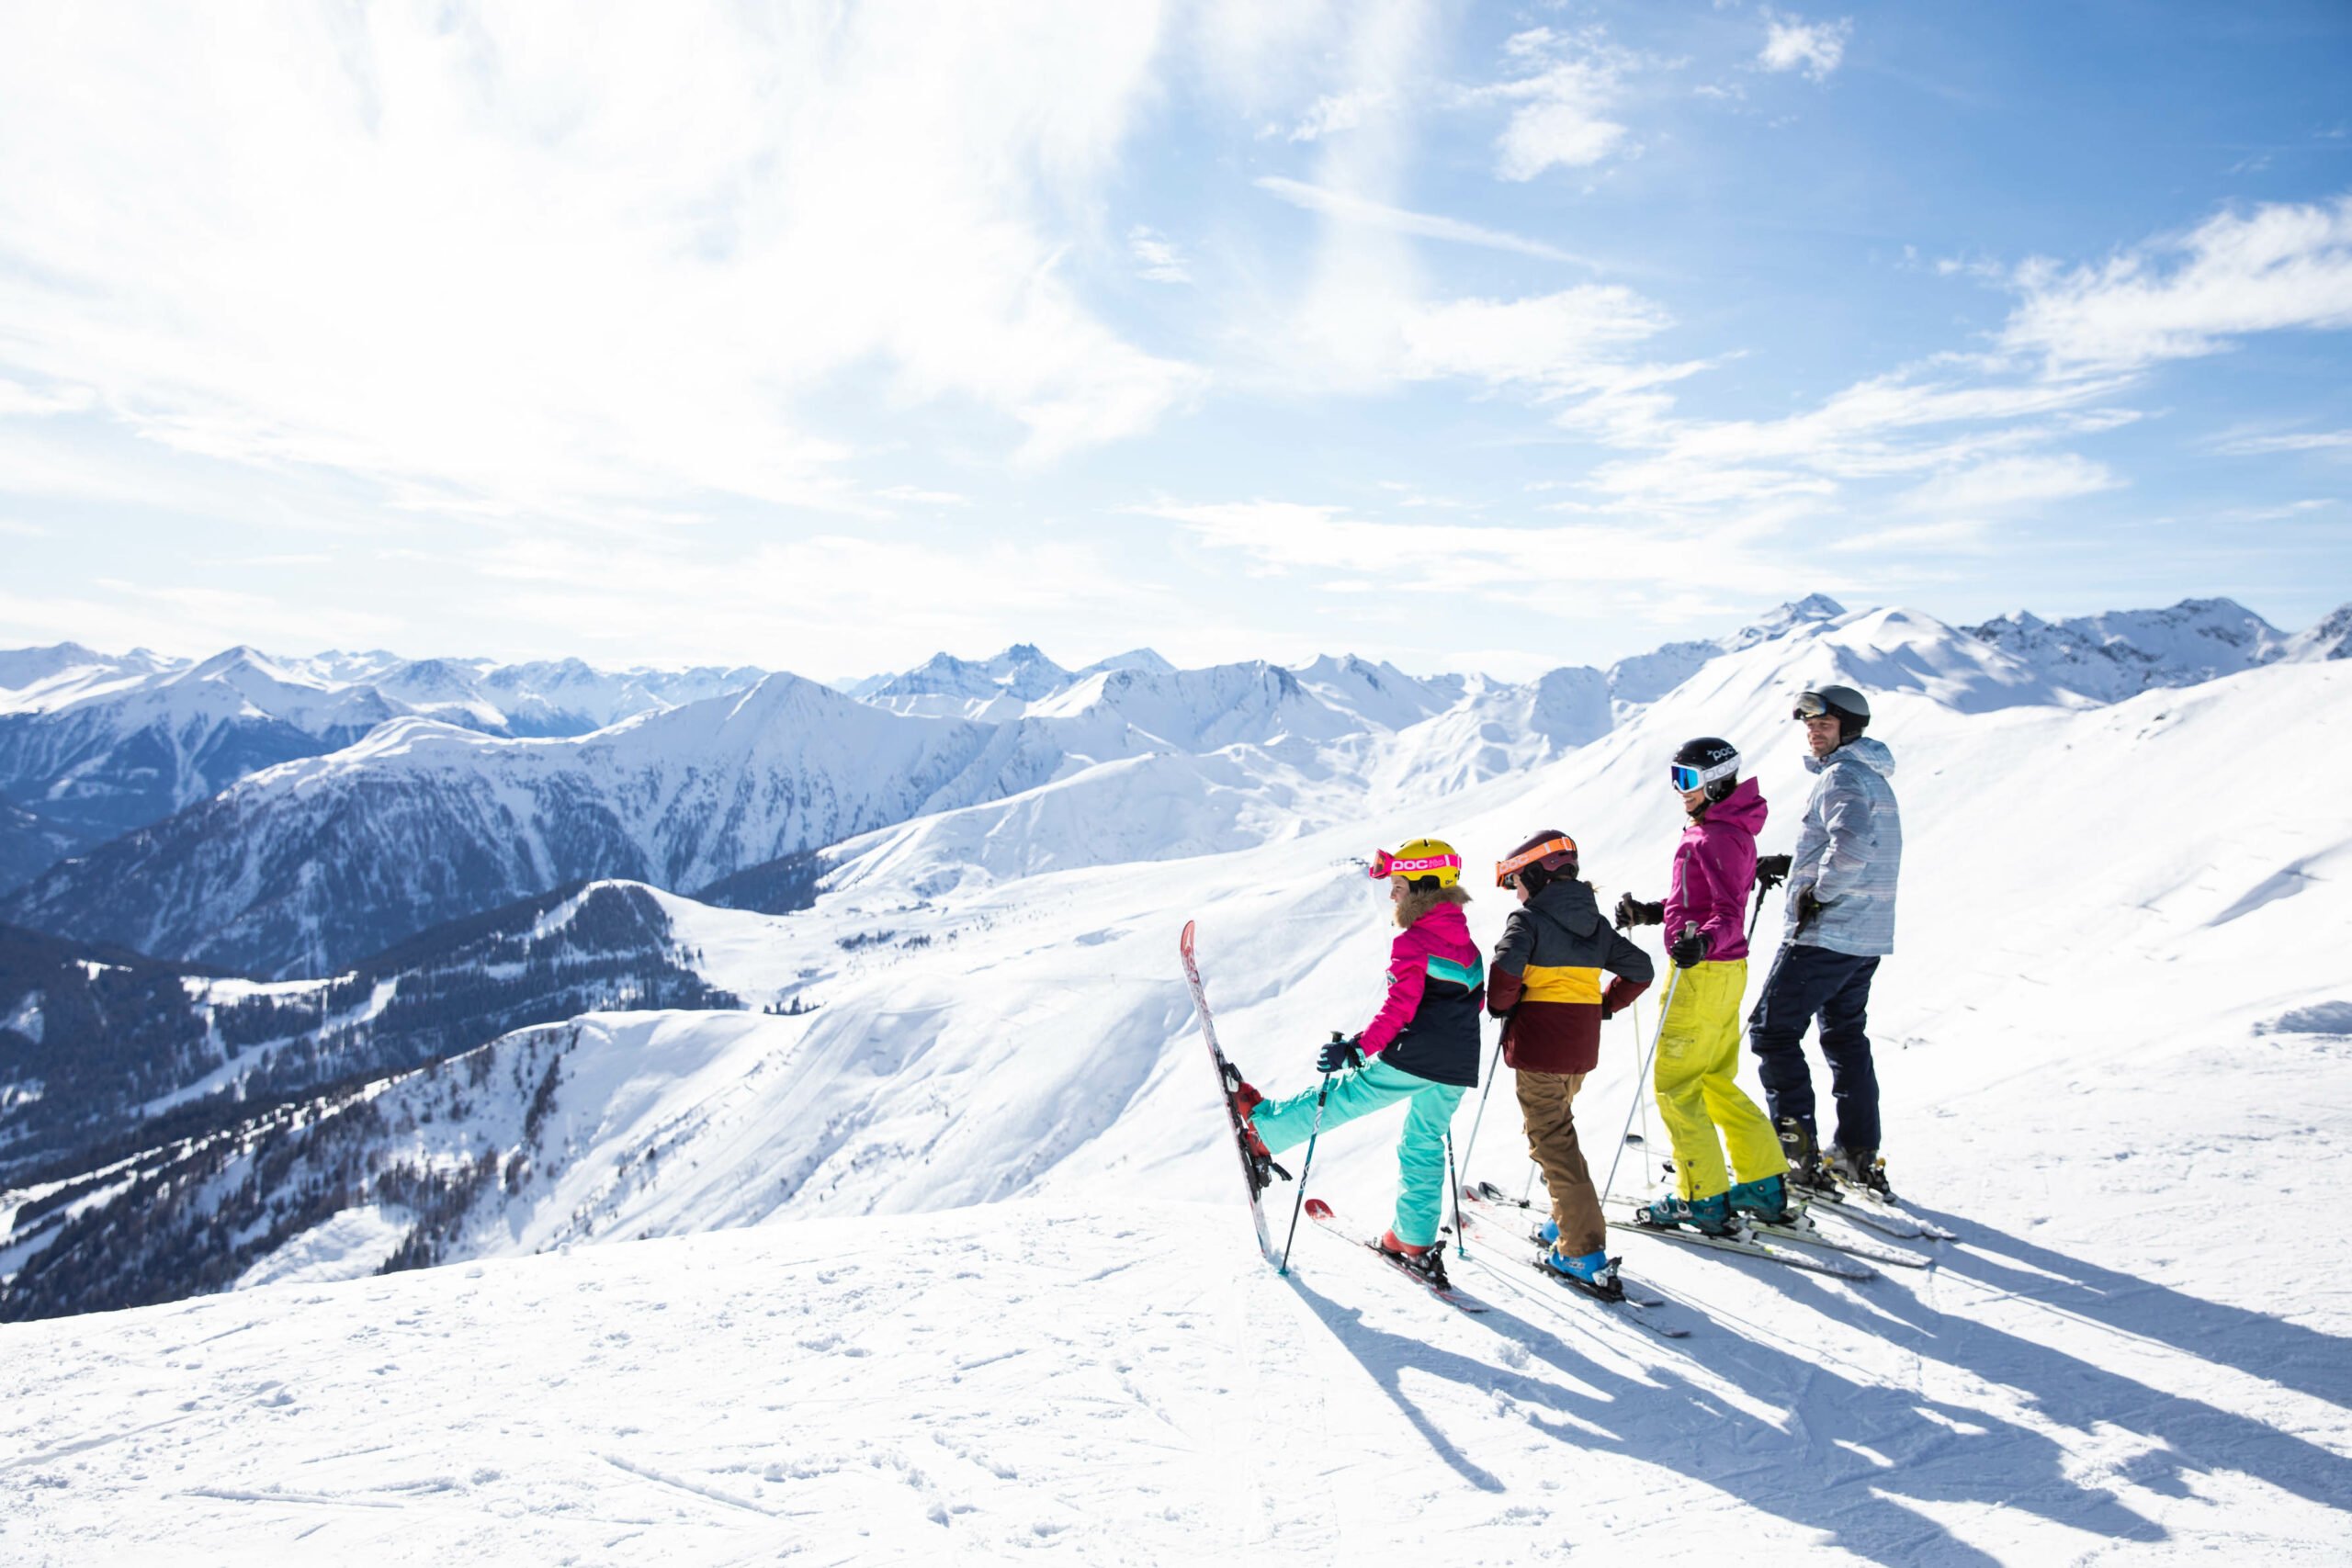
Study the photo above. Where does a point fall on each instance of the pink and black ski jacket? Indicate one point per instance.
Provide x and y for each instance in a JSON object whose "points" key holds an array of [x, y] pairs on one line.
{"points": [[1428, 1026], [1714, 870]]}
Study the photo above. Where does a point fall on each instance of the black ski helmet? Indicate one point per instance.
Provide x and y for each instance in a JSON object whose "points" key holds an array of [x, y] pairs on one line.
{"points": [[1548, 854], [1709, 763], [1848, 707]]}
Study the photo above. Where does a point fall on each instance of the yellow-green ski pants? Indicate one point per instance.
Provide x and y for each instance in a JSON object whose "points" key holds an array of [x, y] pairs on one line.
{"points": [[1698, 1060]]}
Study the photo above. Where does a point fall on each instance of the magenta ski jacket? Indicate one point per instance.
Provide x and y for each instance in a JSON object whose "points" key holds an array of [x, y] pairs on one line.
{"points": [[1428, 1025], [1714, 870]]}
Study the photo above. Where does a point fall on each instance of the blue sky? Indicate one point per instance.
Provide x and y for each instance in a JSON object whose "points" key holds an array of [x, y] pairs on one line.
{"points": [[1494, 336]]}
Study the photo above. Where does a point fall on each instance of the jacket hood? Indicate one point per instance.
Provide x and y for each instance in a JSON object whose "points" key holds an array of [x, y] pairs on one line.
{"points": [[1872, 754], [1569, 901], [1444, 919], [1743, 809]]}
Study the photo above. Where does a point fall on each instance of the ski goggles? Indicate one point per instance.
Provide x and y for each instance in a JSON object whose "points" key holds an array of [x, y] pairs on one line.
{"points": [[1688, 778], [1385, 865], [1507, 869], [1810, 705]]}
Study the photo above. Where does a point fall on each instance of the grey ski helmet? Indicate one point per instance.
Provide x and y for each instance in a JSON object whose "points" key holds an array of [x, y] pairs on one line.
{"points": [[1848, 707], [1708, 764]]}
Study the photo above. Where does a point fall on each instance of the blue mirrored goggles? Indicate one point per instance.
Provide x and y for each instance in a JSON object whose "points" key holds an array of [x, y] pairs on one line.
{"points": [[1686, 779]]}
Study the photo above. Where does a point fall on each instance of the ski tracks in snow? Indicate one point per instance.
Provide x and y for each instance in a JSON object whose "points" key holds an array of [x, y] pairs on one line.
{"points": [[1024, 1381]]}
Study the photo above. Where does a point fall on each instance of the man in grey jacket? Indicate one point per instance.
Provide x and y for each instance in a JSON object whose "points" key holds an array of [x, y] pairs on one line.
{"points": [[1840, 923]]}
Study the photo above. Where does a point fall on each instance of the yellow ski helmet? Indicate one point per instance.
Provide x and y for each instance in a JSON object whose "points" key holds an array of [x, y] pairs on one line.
{"points": [[1420, 859]]}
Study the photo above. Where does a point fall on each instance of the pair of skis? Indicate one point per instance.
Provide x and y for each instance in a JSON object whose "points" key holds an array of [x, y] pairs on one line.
{"points": [[1637, 1304], [1746, 1243]]}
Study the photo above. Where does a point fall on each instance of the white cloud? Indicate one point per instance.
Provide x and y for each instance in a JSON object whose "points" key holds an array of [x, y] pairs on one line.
{"points": [[1563, 342], [1336, 112], [1531, 565], [2279, 266], [1956, 534], [551, 262], [22, 401], [914, 495], [2306, 441], [1561, 119], [1162, 262], [1791, 43], [2004, 484], [1370, 214]]}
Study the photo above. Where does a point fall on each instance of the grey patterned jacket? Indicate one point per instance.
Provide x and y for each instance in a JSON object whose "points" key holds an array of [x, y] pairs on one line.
{"points": [[1849, 847]]}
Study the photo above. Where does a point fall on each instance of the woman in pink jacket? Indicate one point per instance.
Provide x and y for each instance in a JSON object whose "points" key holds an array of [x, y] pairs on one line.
{"points": [[1698, 1047]]}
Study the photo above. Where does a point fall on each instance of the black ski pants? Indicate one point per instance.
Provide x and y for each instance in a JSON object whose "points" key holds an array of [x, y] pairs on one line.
{"points": [[1808, 983]]}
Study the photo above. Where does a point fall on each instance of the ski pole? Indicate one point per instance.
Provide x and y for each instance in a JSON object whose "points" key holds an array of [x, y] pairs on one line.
{"points": [[1314, 1130], [1454, 1179], [1665, 1006], [1494, 1067]]}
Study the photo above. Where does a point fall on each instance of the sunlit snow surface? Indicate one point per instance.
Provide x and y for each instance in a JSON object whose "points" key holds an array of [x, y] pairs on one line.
{"points": [[2112, 1060], [1126, 1383]]}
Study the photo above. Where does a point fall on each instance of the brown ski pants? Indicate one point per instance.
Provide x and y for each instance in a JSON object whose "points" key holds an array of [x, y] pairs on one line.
{"points": [[1544, 1103]]}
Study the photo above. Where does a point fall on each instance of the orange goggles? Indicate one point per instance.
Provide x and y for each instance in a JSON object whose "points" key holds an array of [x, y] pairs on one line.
{"points": [[1506, 869], [1384, 864]]}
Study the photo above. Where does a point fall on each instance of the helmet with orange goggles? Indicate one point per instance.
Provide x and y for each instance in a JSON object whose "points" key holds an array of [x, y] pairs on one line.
{"points": [[1547, 853], [1422, 857]]}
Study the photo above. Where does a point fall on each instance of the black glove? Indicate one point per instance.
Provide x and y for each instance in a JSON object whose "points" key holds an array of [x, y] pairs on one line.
{"points": [[1632, 912], [1808, 906], [1689, 950], [1771, 871], [1340, 1056]]}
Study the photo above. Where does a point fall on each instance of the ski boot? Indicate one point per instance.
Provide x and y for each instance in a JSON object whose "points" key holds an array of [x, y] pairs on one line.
{"points": [[1708, 1216], [1767, 1199], [1429, 1262], [1244, 1100], [1809, 1175], [1595, 1273], [1863, 1170]]}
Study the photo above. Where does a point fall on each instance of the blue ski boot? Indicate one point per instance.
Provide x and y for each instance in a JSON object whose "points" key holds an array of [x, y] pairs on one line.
{"points": [[1708, 1216], [1767, 1199], [1595, 1273]]}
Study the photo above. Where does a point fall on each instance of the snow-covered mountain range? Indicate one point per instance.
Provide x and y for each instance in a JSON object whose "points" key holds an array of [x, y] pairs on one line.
{"points": [[1032, 924], [2112, 655], [2111, 1040], [93, 745]]}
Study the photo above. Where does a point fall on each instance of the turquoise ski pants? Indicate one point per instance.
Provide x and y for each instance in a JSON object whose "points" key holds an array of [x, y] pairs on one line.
{"points": [[1420, 1150]]}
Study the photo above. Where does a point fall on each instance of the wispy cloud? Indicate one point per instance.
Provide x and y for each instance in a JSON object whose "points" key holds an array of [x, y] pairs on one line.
{"points": [[22, 400], [1160, 260], [1357, 209], [1563, 103], [433, 246], [2302, 441], [1335, 112], [2275, 267], [1535, 565], [914, 495], [2004, 484], [1791, 43]]}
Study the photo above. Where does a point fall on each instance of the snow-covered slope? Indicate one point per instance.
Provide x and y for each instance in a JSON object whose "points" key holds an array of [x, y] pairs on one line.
{"points": [[987, 1037], [2110, 1043], [2330, 639], [104, 1052]]}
